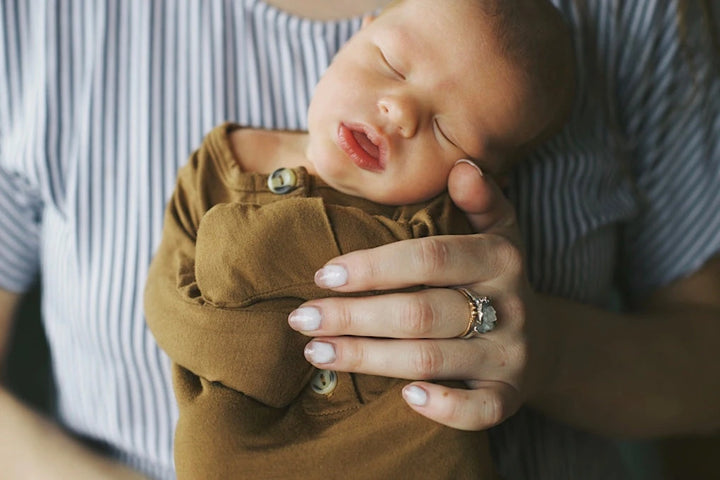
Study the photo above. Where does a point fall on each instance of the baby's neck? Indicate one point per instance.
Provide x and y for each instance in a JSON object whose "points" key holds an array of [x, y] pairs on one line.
{"points": [[263, 151]]}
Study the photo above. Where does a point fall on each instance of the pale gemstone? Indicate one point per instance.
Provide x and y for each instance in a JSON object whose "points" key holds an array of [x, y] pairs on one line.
{"points": [[488, 317]]}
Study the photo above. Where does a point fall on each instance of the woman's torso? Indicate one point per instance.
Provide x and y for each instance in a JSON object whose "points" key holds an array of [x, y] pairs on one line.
{"points": [[112, 99]]}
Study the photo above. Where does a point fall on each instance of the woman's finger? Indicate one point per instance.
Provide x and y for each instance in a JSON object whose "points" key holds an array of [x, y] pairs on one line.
{"points": [[482, 200], [432, 261], [429, 313], [440, 260], [487, 357], [424, 314], [485, 405]]}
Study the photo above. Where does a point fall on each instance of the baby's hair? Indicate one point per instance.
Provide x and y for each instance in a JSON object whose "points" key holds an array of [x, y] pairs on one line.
{"points": [[534, 36]]}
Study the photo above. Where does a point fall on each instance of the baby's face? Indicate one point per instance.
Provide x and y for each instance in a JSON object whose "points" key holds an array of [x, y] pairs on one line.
{"points": [[418, 88]]}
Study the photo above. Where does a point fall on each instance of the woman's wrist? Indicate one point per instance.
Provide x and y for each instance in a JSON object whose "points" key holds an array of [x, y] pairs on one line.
{"points": [[632, 375], [33, 447]]}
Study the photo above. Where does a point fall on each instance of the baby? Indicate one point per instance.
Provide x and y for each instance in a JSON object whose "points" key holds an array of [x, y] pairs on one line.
{"points": [[255, 213]]}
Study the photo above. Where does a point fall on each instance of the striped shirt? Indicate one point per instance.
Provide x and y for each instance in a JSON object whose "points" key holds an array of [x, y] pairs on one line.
{"points": [[102, 101]]}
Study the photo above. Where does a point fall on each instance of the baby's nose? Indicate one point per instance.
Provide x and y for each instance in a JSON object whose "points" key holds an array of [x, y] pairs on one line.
{"points": [[401, 115]]}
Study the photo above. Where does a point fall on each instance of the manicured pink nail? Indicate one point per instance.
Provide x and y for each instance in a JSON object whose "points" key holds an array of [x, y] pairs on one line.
{"points": [[472, 164], [415, 395], [331, 276], [305, 319], [320, 352]]}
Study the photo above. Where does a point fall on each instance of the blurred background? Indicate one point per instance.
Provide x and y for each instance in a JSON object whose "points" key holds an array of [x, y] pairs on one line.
{"points": [[28, 373]]}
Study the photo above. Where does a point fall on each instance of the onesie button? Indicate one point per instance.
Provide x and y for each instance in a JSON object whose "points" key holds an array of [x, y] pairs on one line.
{"points": [[324, 382], [282, 180]]}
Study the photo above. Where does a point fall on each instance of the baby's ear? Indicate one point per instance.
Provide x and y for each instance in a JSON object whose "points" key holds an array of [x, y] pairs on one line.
{"points": [[367, 20]]}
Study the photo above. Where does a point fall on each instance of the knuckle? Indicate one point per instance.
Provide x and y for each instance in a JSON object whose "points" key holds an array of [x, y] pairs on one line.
{"points": [[417, 317], [513, 311], [517, 356], [338, 312], [509, 258], [514, 351], [493, 409], [427, 361], [431, 255], [346, 319], [455, 409], [512, 357], [366, 268], [515, 308], [351, 354]]}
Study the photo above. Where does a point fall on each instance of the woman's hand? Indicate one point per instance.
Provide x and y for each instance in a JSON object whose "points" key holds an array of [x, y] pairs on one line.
{"points": [[415, 335]]}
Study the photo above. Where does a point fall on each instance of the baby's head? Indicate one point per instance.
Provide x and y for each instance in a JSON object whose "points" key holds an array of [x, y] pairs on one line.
{"points": [[427, 83]]}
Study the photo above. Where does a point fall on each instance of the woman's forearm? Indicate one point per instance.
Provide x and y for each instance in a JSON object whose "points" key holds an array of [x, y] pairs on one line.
{"points": [[33, 447], [650, 374]]}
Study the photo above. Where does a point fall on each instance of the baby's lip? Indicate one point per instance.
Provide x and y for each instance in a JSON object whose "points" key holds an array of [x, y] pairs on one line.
{"points": [[364, 145]]}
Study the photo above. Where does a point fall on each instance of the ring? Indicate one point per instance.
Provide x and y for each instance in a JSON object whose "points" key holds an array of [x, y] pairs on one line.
{"points": [[482, 314]]}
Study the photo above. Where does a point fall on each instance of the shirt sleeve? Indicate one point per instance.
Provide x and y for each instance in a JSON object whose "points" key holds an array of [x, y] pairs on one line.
{"points": [[668, 91], [20, 200], [19, 233]]}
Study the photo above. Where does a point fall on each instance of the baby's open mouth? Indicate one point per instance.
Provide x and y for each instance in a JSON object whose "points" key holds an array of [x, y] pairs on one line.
{"points": [[366, 144], [357, 143]]}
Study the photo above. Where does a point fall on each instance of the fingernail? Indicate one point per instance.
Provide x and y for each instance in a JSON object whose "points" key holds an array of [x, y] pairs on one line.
{"points": [[415, 395], [305, 319], [331, 276], [320, 352], [472, 164]]}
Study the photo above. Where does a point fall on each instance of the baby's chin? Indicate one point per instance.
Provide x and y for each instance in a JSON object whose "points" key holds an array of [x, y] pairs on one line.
{"points": [[354, 191], [383, 197], [335, 176]]}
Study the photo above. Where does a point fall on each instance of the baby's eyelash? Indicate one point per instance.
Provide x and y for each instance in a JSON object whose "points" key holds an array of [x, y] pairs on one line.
{"points": [[437, 125], [389, 65]]}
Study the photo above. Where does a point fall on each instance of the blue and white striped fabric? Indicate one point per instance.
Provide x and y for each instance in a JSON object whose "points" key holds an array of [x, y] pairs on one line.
{"points": [[102, 101]]}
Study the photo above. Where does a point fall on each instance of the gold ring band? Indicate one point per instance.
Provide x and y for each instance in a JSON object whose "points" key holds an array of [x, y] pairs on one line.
{"points": [[482, 314]]}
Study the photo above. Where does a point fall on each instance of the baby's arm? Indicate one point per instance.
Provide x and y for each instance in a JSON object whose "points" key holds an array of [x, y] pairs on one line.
{"points": [[214, 339]]}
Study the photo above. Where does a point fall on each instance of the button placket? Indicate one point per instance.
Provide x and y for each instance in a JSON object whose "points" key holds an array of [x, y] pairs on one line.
{"points": [[324, 382], [282, 181]]}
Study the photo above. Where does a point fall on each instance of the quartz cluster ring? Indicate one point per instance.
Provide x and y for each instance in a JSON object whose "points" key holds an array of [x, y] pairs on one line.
{"points": [[482, 314]]}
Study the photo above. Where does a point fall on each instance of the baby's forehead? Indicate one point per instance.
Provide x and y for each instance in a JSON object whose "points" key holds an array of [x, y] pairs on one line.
{"points": [[463, 28], [432, 12]]}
